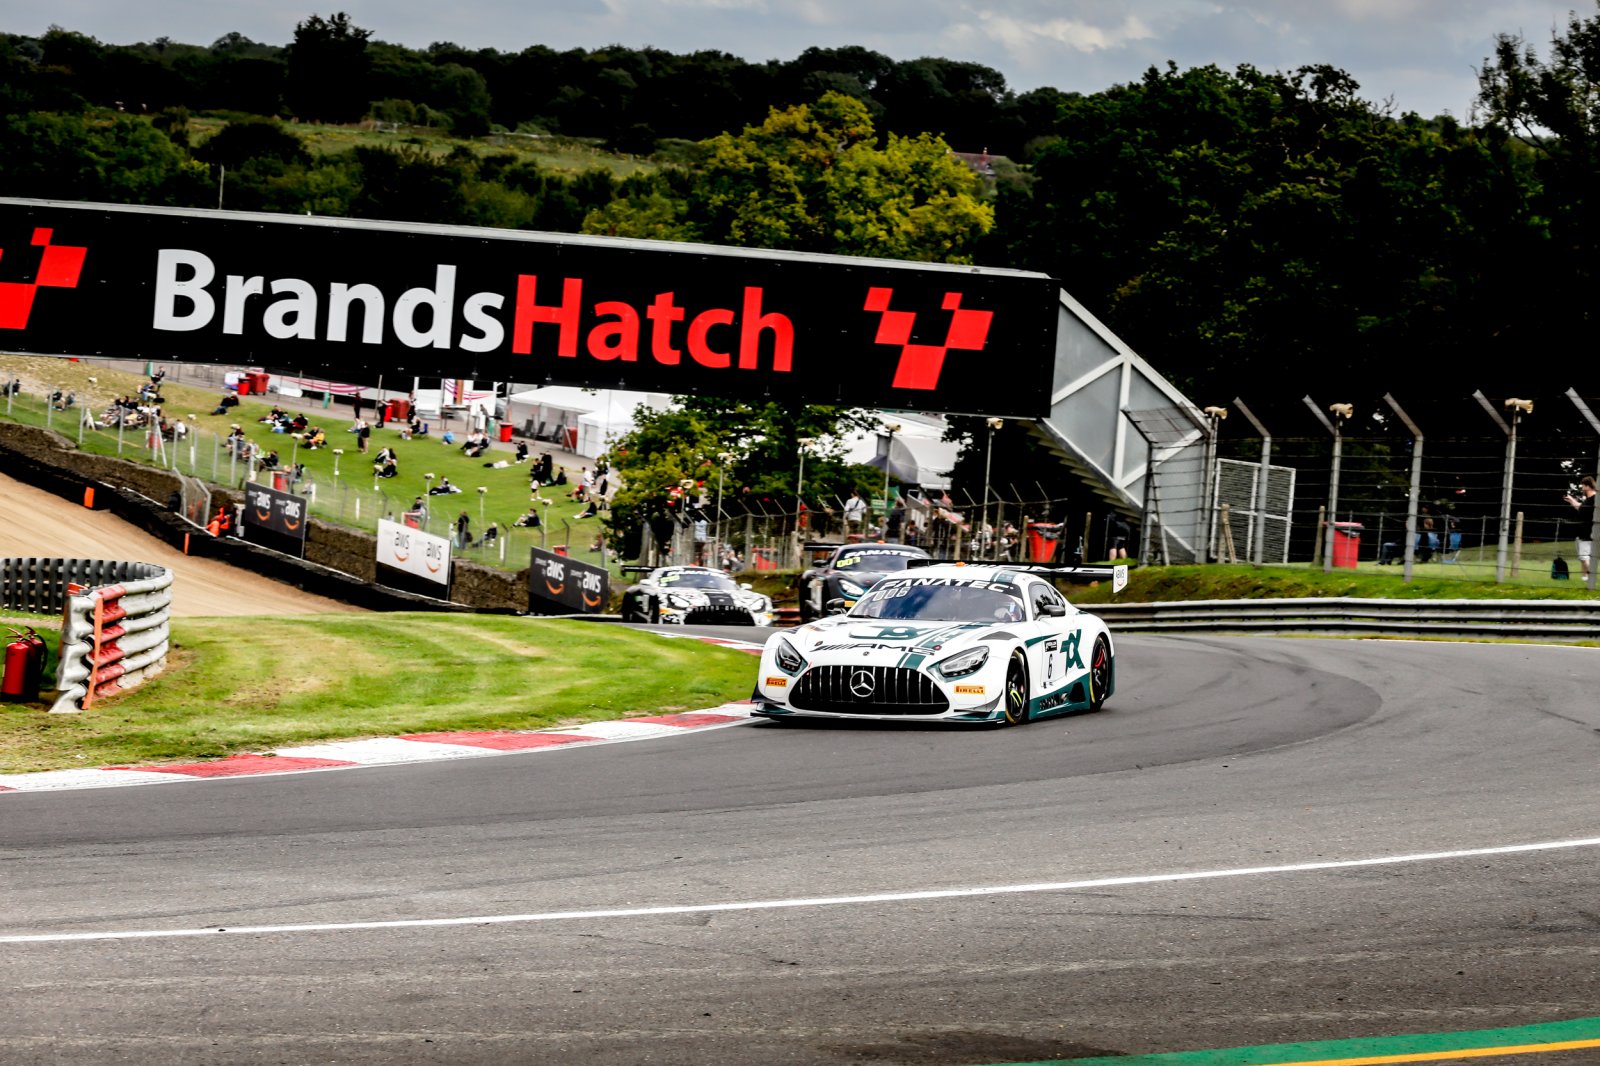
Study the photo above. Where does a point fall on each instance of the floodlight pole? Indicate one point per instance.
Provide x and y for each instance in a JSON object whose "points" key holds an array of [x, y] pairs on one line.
{"points": [[722, 459], [1594, 526], [1505, 480], [799, 487], [1333, 426], [1416, 486], [988, 454], [1260, 538]]}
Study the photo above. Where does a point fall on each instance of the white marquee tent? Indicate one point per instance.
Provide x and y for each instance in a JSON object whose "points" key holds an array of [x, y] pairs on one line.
{"points": [[583, 421]]}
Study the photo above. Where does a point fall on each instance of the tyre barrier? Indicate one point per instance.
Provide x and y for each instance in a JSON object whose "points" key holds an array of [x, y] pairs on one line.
{"points": [[115, 621]]}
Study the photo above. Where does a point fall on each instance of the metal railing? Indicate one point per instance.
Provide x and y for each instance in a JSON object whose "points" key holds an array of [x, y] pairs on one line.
{"points": [[1355, 616]]}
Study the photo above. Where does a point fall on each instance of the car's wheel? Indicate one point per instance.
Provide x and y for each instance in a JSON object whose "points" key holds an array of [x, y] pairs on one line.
{"points": [[1015, 702], [1099, 673], [655, 612]]}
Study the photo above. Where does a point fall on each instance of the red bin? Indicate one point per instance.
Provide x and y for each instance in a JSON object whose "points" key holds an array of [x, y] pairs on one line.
{"points": [[505, 432], [1346, 544], [1042, 539]]}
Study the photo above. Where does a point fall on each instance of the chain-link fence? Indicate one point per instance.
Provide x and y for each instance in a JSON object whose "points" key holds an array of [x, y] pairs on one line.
{"points": [[203, 458], [767, 534], [1453, 487]]}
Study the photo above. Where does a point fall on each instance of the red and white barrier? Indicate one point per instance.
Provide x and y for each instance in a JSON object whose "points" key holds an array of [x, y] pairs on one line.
{"points": [[113, 637]]}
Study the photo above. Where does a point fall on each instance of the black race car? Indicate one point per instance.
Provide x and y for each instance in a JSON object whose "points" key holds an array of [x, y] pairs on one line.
{"points": [[834, 585], [693, 595]]}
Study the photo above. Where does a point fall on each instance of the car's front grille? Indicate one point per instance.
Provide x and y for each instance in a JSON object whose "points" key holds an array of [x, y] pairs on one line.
{"points": [[719, 616], [845, 690]]}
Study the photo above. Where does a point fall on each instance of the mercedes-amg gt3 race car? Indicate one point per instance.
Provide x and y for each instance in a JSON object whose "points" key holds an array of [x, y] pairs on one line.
{"points": [[693, 595], [947, 642], [847, 573]]}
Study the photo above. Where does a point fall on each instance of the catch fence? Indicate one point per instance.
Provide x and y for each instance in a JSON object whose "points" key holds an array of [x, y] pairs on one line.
{"points": [[1468, 488]]}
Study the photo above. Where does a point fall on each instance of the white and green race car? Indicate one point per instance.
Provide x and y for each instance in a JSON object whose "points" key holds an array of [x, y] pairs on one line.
{"points": [[947, 642]]}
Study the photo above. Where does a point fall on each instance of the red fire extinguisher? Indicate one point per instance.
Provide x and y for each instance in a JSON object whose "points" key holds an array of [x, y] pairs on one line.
{"points": [[24, 666]]}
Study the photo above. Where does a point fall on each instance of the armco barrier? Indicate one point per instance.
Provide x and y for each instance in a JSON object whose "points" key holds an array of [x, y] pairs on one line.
{"points": [[1353, 616], [114, 623]]}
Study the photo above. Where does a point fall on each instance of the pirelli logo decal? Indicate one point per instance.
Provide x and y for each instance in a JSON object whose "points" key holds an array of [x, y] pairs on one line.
{"points": [[969, 690], [777, 682]]}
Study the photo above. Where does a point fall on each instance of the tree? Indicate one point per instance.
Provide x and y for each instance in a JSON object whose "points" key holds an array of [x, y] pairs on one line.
{"points": [[252, 138], [328, 68], [1247, 231], [812, 178], [685, 443], [1549, 110]]}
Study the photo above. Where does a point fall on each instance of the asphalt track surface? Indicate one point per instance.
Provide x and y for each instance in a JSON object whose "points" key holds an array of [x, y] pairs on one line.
{"points": [[37, 524], [1215, 755]]}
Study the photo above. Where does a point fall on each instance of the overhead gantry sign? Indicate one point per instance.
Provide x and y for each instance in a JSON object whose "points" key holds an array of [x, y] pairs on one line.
{"points": [[354, 300]]}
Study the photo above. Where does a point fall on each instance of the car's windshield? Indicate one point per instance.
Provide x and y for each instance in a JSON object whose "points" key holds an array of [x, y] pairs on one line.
{"points": [[947, 601], [695, 579], [881, 560]]}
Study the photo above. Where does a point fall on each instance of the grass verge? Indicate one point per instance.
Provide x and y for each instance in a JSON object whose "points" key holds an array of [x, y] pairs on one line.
{"points": [[1218, 582], [250, 684]]}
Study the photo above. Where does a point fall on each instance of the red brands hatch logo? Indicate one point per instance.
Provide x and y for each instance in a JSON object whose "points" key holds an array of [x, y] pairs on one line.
{"points": [[921, 364], [59, 268]]}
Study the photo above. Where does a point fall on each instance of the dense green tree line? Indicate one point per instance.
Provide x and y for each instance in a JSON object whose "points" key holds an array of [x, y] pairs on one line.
{"points": [[334, 71]]}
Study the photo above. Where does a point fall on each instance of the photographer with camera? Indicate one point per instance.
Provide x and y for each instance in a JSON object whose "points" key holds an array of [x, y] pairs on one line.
{"points": [[1584, 505]]}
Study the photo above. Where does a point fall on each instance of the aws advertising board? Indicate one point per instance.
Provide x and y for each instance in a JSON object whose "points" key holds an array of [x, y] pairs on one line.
{"points": [[352, 300]]}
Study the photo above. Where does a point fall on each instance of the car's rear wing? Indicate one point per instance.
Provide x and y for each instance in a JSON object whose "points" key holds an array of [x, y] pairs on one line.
{"points": [[1118, 574], [639, 569]]}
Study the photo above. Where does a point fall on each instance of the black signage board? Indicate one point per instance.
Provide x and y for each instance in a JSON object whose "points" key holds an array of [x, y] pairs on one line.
{"points": [[559, 585], [275, 519], [353, 300]]}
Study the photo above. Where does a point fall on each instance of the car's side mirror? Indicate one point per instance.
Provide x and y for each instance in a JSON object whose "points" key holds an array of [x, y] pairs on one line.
{"points": [[1052, 610], [835, 605]]}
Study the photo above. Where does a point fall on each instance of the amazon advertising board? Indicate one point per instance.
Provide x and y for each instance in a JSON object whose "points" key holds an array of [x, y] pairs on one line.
{"points": [[275, 519], [352, 300], [413, 561], [559, 585]]}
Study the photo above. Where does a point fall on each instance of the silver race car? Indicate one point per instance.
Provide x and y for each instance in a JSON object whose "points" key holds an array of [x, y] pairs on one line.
{"points": [[693, 595], [947, 642]]}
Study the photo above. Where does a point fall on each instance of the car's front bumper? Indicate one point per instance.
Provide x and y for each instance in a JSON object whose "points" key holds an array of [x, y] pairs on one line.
{"points": [[762, 708]]}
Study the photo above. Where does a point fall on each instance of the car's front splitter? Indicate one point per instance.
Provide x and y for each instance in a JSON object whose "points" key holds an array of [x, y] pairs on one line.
{"points": [[970, 716]]}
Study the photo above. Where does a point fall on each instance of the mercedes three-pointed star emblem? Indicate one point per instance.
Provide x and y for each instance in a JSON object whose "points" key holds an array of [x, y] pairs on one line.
{"points": [[861, 684]]}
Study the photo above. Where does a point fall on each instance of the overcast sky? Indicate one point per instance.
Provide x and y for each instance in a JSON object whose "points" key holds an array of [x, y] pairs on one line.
{"points": [[1419, 53]]}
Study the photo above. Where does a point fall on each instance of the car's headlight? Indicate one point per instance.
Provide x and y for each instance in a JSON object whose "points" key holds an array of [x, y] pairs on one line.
{"points": [[679, 602], [787, 658], [965, 663], [850, 588]]}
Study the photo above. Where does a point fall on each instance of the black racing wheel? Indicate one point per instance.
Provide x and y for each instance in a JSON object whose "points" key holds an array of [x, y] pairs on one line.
{"points": [[1015, 703], [1099, 673]]}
